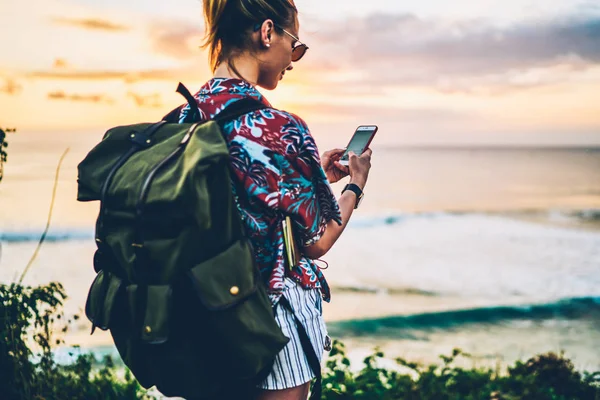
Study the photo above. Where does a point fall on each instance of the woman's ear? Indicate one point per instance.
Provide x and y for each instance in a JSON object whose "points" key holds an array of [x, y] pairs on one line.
{"points": [[265, 32]]}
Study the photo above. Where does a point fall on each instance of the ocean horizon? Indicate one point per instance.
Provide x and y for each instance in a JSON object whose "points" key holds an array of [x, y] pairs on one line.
{"points": [[479, 247]]}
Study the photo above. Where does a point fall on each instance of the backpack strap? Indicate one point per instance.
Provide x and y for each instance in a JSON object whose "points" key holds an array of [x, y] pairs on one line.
{"points": [[239, 108], [231, 112], [234, 110], [193, 114], [309, 351], [173, 115]]}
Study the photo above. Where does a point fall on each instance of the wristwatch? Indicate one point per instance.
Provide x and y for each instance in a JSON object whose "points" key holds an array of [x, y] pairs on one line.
{"points": [[358, 191]]}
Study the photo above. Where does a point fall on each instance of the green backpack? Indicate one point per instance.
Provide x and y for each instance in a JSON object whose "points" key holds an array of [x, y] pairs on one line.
{"points": [[177, 284]]}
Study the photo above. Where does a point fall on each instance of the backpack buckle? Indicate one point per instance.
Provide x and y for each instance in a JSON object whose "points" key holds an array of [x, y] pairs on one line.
{"points": [[140, 139]]}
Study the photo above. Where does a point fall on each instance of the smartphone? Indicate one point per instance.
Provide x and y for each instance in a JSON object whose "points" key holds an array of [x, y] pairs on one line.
{"points": [[360, 141]]}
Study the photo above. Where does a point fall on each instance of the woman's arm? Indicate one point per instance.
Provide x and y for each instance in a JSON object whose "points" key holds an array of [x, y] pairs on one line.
{"points": [[347, 201], [359, 171]]}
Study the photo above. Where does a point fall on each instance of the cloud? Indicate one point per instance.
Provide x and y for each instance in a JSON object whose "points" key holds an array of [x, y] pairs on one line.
{"points": [[10, 87], [87, 98], [98, 75], [151, 100], [407, 50], [369, 55], [90, 24], [80, 75], [391, 112], [175, 38], [60, 63]]}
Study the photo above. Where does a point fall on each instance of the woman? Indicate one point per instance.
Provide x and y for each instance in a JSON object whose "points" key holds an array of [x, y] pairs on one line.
{"points": [[275, 160]]}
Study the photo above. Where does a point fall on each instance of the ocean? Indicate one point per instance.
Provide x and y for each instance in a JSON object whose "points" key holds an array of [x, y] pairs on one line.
{"points": [[493, 250]]}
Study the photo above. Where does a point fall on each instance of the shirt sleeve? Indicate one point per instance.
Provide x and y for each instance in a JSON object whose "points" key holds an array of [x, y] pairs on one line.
{"points": [[304, 191]]}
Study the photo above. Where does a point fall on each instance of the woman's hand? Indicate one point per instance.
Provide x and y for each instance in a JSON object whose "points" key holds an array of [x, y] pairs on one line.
{"points": [[359, 167], [330, 161]]}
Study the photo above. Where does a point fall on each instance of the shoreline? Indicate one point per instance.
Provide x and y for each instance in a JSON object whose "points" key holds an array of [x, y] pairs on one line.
{"points": [[491, 343], [345, 306]]}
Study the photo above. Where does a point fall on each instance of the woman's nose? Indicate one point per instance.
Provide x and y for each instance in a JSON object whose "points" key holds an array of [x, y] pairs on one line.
{"points": [[290, 67]]}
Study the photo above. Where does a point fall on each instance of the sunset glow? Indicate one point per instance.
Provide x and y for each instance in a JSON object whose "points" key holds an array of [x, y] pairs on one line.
{"points": [[426, 73]]}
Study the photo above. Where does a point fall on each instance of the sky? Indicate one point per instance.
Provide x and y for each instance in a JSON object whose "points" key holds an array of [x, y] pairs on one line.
{"points": [[427, 72]]}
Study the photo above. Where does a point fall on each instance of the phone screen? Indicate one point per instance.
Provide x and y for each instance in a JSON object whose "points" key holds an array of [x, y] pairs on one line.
{"points": [[360, 140]]}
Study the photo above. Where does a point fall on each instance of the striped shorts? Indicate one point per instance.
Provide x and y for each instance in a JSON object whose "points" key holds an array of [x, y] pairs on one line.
{"points": [[291, 367]]}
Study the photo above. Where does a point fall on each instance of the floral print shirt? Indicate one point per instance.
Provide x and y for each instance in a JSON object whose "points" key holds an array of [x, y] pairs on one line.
{"points": [[276, 162]]}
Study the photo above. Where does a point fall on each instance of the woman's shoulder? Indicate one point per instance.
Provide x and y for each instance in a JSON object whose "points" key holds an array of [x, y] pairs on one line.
{"points": [[282, 130], [284, 118], [287, 126]]}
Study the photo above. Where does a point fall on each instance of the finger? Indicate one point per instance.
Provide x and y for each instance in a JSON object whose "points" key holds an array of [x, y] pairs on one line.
{"points": [[367, 153], [337, 156], [341, 167], [333, 152]]}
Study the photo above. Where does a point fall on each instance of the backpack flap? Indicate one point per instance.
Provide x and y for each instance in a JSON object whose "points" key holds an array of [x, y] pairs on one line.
{"points": [[240, 311], [226, 279], [101, 299], [96, 167]]}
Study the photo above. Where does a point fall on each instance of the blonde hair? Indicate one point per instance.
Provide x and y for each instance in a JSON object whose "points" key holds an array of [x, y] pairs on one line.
{"points": [[228, 22]]}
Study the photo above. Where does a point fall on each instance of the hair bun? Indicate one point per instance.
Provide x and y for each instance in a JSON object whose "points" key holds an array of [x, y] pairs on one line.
{"points": [[227, 23]]}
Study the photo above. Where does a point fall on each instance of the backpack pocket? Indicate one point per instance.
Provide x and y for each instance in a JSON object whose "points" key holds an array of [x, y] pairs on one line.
{"points": [[227, 279], [101, 299], [239, 310], [157, 301]]}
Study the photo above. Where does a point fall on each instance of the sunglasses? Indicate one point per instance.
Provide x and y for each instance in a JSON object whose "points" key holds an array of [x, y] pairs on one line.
{"points": [[298, 48]]}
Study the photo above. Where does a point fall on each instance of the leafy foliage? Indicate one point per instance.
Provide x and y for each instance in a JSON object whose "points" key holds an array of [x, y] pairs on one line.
{"points": [[547, 376], [29, 317], [36, 313], [3, 153]]}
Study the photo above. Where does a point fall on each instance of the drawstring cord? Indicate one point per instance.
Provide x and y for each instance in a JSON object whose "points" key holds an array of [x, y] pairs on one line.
{"points": [[322, 268]]}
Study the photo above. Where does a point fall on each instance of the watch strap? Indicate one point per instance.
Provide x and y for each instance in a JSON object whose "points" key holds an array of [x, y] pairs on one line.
{"points": [[357, 190]]}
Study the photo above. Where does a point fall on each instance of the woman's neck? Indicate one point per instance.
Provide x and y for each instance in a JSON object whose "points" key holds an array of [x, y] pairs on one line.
{"points": [[244, 68]]}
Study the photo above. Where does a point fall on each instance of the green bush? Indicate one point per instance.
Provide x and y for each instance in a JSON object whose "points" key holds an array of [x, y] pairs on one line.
{"points": [[548, 376], [3, 146], [36, 313]]}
